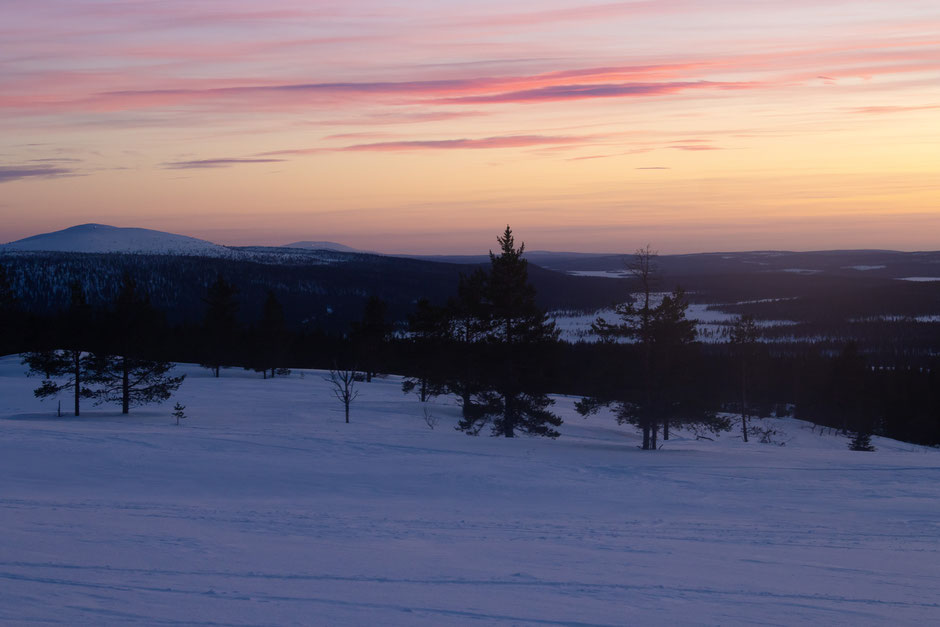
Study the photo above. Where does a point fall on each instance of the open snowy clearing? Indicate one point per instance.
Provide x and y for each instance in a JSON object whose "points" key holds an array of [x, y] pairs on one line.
{"points": [[266, 509], [711, 323]]}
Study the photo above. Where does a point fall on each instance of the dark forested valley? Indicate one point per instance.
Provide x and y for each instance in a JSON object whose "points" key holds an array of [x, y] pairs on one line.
{"points": [[859, 351]]}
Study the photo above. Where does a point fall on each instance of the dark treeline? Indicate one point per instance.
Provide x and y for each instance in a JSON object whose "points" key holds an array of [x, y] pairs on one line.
{"points": [[491, 345], [317, 290]]}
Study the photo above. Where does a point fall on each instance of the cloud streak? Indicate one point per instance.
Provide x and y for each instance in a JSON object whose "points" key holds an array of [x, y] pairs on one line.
{"points": [[558, 93], [199, 164], [511, 141], [483, 143], [881, 110], [21, 172]]}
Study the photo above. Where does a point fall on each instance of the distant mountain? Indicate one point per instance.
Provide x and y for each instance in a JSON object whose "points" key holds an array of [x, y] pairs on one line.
{"points": [[101, 238], [323, 246], [544, 258]]}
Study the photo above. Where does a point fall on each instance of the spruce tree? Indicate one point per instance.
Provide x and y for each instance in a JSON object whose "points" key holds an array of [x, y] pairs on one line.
{"points": [[220, 324], [512, 402], [514, 316], [861, 441], [179, 412], [126, 375]]}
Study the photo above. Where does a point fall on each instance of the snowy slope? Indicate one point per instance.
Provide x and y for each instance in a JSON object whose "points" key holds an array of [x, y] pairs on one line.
{"points": [[100, 238], [266, 509], [323, 246]]}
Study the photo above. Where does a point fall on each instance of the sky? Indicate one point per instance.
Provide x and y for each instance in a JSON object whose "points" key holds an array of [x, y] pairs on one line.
{"points": [[426, 126]]}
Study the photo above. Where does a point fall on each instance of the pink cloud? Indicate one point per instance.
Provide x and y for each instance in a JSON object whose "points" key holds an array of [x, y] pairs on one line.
{"points": [[580, 92], [510, 141], [879, 110], [506, 141], [591, 12], [215, 163], [694, 147]]}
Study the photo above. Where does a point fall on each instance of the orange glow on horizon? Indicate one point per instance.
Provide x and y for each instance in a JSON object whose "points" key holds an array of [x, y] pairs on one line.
{"points": [[426, 129]]}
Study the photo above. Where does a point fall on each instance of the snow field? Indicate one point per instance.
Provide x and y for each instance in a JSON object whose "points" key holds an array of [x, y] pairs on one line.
{"points": [[712, 324], [264, 508]]}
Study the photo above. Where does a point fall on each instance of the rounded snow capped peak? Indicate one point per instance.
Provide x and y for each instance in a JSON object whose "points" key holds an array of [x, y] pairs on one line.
{"points": [[103, 238]]}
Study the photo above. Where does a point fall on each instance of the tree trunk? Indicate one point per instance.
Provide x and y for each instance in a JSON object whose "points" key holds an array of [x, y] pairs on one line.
{"points": [[125, 387], [77, 356], [272, 372], [347, 412], [666, 429], [654, 434], [646, 437], [217, 372], [508, 426], [465, 400], [744, 400]]}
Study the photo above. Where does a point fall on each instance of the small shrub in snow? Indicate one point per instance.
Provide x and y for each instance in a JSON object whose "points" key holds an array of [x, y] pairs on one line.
{"points": [[179, 413], [430, 419], [766, 434], [861, 441]]}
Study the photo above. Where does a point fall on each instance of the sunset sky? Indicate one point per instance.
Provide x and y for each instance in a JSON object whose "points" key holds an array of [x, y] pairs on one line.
{"points": [[426, 126]]}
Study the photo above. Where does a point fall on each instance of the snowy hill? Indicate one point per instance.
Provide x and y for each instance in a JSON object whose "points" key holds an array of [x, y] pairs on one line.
{"points": [[101, 238], [307, 245], [265, 508]]}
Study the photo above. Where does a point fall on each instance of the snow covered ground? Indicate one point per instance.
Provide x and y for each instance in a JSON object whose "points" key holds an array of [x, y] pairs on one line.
{"points": [[712, 324], [266, 509]]}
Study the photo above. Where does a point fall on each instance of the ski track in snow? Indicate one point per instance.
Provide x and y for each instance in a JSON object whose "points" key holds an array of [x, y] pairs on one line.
{"points": [[264, 508]]}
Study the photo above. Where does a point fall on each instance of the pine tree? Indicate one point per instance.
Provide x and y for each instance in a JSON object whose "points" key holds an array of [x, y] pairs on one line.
{"points": [[370, 334], [469, 321], [637, 324], [428, 328], [8, 313], [125, 375], [847, 390], [517, 325], [271, 338], [672, 340], [71, 362], [220, 324], [665, 338], [744, 336], [8, 300]]}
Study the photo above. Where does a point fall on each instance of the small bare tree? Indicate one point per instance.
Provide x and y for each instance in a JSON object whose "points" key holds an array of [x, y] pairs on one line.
{"points": [[343, 385], [430, 419]]}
